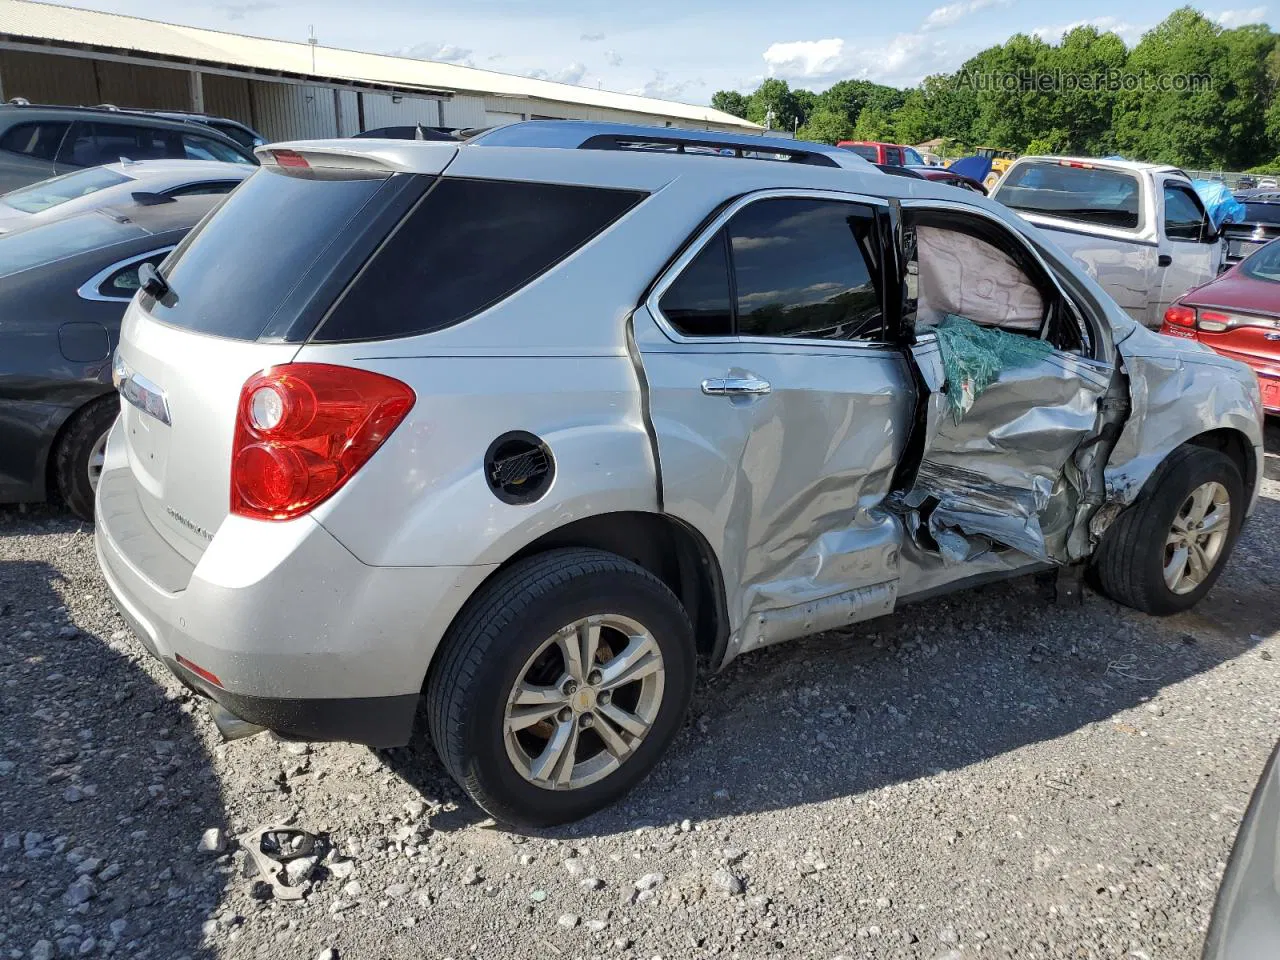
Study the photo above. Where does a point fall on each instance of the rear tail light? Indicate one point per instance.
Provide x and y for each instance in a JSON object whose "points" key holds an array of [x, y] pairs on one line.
{"points": [[1180, 322], [302, 431], [1180, 316], [1213, 321]]}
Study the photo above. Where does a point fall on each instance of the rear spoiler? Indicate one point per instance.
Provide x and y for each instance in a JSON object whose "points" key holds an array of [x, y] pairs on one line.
{"points": [[357, 157]]}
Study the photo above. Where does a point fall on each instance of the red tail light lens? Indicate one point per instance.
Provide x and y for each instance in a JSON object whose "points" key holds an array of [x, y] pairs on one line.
{"points": [[303, 429], [1177, 316]]}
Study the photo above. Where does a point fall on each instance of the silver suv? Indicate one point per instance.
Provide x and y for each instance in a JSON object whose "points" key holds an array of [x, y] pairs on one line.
{"points": [[529, 426]]}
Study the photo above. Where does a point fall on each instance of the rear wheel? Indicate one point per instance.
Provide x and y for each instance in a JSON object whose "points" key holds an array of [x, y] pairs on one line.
{"points": [[1164, 553], [80, 454], [561, 685]]}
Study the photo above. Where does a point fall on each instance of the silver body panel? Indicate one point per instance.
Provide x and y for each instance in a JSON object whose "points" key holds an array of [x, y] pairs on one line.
{"points": [[789, 487]]}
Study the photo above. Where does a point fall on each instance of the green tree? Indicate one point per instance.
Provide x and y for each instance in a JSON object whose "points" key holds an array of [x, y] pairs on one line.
{"points": [[912, 122], [730, 101], [773, 102], [826, 126], [873, 124], [806, 102]]}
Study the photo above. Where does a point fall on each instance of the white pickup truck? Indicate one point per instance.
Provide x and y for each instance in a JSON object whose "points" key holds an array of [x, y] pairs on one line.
{"points": [[1140, 228]]}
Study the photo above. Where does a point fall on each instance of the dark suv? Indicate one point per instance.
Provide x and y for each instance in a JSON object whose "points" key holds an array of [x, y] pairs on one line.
{"points": [[37, 142]]}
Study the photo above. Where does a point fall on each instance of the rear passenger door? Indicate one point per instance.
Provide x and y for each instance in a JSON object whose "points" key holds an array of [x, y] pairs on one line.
{"points": [[992, 465], [780, 408]]}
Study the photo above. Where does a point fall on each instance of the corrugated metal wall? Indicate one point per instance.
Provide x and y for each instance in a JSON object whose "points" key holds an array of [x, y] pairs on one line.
{"points": [[381, 111], [128, 85], [291, 112], [42, 78], [464, 111], [228, 97]]}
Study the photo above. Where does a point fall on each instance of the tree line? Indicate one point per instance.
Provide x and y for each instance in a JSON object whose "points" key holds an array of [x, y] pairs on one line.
{"points": [[1191, 93]]}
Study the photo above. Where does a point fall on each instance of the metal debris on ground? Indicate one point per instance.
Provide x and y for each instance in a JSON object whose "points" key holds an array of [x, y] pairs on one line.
{"points": [[285, 858]]}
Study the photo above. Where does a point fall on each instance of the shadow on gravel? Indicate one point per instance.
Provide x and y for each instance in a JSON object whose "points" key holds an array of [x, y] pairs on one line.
{"points": [[939, 686], [104, 788]]}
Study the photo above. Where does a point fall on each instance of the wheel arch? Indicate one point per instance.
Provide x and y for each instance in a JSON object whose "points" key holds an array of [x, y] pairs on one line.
{"points": [[69, 415], [1236, 445], [671, 550]]}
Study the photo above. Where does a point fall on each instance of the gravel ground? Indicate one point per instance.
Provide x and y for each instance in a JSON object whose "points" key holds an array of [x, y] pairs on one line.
{"points": [[984, 775]]}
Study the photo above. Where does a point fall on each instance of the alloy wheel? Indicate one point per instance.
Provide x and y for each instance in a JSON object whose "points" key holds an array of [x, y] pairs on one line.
{"points": [[584, 702], [1199, 534]]}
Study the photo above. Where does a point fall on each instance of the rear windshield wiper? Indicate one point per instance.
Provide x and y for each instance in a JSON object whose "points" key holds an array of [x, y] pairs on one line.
{"points": [[153, 283]]}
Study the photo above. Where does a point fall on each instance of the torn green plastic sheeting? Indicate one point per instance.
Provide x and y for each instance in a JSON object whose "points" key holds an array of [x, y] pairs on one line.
{"points": [[973, 356]]}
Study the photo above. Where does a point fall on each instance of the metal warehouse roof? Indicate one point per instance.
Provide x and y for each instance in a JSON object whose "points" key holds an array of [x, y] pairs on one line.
{"points": [[24, 21]]}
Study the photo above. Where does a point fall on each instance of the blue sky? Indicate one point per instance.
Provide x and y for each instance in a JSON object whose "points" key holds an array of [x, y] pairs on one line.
{"points": [[672, 49]]}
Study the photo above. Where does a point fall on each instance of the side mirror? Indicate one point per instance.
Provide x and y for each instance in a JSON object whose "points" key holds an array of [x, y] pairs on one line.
{"points": [[1209, 233]]}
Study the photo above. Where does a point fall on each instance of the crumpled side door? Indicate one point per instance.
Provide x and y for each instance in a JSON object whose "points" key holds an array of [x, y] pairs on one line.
{"points": [[1001, 473]]}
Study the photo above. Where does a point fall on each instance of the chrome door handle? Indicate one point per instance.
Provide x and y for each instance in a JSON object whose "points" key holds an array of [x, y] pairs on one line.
{"points": [[736, 387]]}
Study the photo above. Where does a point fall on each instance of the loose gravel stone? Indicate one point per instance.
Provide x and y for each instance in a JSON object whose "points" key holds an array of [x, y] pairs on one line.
{"points": [[212, 840], [728, 881], [568, 921]]}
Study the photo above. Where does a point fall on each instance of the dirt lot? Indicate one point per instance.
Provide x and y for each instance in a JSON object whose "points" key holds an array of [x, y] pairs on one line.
{"points": [[983, 775]]}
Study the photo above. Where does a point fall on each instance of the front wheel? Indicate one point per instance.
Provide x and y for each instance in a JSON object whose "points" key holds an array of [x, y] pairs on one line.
{"points": [[1166, 551], [561, 685]]}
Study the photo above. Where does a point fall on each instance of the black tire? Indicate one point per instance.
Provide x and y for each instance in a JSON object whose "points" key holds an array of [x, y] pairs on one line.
{"points": [[71, 458], [483, 653], [1131, 558]]}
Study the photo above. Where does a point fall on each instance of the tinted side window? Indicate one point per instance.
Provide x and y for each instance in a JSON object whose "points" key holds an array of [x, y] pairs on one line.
{"points": [[36, 140], [806, 268], [468, 245], [203, 189], [196, 147], [892, 155], [124, 281], [93, 144], [699, 303], [1183, 217]]}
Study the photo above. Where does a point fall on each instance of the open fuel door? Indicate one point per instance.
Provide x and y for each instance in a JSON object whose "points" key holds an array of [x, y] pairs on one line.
{"points": [[1009, 416]]}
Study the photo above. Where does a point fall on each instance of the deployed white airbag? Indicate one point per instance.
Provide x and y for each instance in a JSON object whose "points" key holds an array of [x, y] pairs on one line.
{"points": [[962, 275]]}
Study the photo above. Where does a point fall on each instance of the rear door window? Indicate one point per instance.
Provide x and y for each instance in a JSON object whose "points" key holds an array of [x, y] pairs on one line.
{"points": [[806, 268], [1086, 194], [1183, 215], [700, 301], [865, 152], [93, 144], [39, 141], [468, 245], [266, 251]]}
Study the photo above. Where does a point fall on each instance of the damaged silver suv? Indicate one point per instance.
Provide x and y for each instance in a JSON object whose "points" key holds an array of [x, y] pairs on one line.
{"points": [[527, 427]]}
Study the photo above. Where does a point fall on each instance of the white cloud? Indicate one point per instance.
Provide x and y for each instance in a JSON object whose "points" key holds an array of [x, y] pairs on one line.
{"points": [[613, 58], [902, 61], [1130, 33], [661, 87], [952, 13], [573, 74], [441, 52], [1239, 18], [593, 37], [804, 58]]}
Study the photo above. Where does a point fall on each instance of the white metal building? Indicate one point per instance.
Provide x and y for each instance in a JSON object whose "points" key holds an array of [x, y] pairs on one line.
{"points": [[62, 55]]}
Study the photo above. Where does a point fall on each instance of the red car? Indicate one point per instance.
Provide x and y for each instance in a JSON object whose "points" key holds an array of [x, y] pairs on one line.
{"points": [[894, 154], [943, 175], [1238, 315]]}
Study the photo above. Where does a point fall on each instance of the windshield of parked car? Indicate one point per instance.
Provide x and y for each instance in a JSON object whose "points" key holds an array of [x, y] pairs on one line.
{"points": [[70, 186], [1087, 194], [1265, 264], [61, 239], [1261, 212]]}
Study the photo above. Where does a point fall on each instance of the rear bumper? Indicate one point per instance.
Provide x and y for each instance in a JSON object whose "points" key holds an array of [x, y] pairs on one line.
{"points": [[300, 636]]}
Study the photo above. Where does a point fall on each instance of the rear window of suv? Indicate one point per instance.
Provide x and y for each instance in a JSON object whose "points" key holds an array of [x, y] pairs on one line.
{"points": [[1107, 198], [256, 263]]}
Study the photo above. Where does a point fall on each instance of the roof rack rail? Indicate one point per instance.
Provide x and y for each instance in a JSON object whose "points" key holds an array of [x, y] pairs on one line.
{"points": [[587, 135]]}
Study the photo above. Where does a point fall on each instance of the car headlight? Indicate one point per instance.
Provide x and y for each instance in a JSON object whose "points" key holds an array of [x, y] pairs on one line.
{"points": [[119, 369]]}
